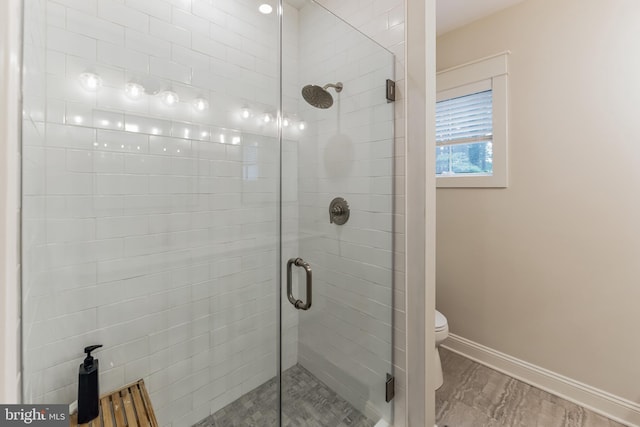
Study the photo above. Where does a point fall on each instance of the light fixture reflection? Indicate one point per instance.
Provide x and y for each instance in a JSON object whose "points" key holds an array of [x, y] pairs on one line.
{"points": [[90, 81], [169, 98], [131, 127], [302, 125], [267, 118], [201, 104], [134, 91], [245, 112], [286, 122], [265, 8]]}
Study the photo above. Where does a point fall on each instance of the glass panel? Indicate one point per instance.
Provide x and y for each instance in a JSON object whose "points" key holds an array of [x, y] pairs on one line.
{"points": [[336, 354], [464, 159], [151, 202]]}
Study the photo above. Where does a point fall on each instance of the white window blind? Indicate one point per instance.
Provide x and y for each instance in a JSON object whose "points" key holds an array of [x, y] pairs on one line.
{"points": [[465, 119]]}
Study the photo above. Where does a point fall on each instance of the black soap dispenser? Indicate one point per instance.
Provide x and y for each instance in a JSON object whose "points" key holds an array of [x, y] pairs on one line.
{"points": [[88, 388]]}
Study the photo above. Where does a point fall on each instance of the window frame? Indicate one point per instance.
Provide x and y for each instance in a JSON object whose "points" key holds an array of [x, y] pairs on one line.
{"points": [[466, 79]]}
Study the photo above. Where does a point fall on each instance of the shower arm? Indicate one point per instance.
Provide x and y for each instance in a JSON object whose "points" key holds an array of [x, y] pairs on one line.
{"points": [[337, 86]]}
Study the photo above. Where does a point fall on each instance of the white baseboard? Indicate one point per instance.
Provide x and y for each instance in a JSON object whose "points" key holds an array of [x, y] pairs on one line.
{"points": [[614, 407]]}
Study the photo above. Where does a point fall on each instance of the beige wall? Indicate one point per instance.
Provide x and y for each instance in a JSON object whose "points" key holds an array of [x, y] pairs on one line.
{"points": [[548, 270]]}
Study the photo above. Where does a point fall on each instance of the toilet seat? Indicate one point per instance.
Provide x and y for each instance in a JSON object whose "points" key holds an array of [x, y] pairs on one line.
{"points": [[441, 322]]}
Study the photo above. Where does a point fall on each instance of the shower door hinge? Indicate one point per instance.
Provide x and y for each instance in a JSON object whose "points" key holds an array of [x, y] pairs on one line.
{"points": [[390, 388], [391, 90]]}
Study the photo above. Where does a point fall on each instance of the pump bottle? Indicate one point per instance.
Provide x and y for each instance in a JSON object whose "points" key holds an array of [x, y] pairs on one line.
{"points": [[88, 388]]}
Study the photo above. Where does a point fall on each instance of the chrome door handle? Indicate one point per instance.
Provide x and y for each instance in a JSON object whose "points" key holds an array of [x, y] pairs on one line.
{"points": [[299, 304]]}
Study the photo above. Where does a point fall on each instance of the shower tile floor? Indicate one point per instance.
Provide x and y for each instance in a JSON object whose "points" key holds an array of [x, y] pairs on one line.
{"points": [[307, 402]]}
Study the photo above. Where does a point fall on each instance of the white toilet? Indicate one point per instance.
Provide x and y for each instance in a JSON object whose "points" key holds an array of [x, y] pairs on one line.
{"points": [[442, 332]]}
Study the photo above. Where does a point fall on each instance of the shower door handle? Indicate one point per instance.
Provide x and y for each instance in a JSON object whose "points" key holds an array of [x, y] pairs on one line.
{"points": [[299, 304]]}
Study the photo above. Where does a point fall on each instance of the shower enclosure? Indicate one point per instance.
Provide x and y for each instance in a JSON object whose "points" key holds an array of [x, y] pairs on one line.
{"points": [[223, 237]]}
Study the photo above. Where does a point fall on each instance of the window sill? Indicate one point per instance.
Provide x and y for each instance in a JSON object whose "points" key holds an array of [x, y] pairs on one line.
{"points": [[471, 181]]}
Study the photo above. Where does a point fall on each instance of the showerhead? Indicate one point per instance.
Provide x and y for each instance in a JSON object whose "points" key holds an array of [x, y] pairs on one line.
{"points": [[318, 96]]}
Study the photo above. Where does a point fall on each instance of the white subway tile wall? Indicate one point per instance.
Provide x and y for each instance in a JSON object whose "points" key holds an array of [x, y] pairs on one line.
{"points": [[152, 228]]}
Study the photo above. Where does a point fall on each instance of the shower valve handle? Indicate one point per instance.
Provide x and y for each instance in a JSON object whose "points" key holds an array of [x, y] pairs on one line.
{"points": [[339, 211]]}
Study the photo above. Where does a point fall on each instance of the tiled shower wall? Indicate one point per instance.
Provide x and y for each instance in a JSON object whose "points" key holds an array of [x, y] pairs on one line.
{"points": [[345, 340], [147, 228]]}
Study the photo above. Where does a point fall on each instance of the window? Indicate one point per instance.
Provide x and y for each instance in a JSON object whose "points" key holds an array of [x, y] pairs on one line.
{"points": [[471, 124], [464, 135]]}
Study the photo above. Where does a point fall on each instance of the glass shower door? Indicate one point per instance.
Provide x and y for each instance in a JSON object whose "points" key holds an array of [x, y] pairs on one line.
{"points": [[150, 203], [337, 200]]}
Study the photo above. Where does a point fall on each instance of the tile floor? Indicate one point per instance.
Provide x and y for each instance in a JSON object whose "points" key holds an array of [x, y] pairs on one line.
{"points": [[475, 396], [307, 402]]}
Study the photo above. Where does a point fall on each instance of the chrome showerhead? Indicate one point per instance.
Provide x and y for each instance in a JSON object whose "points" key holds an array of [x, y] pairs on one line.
{"points": [[318, 96]]}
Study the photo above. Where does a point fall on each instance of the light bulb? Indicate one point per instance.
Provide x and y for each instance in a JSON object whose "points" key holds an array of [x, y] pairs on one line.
{"points": [[200, 104], [170, 98], [90, 81], [286, 122], [134, 91], [302, 125], [245, 112], [267, 117], [265, 8]]}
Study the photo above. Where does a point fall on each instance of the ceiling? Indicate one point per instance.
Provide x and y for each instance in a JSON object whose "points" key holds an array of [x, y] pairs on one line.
{"points": [[451, 14]]}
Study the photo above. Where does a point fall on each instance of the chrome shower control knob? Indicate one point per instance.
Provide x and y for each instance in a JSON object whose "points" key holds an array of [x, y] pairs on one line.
{"points": [[339, 211]]}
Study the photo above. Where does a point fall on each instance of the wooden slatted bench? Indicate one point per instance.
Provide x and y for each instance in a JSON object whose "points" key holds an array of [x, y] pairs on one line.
{"points": [[129, 406]]}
